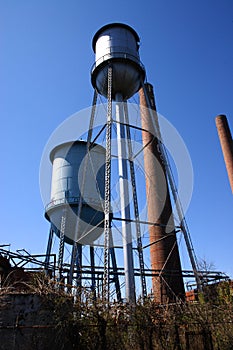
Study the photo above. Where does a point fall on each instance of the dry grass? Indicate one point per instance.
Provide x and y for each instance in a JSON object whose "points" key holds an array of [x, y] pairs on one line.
{"points": [[88, 324]]}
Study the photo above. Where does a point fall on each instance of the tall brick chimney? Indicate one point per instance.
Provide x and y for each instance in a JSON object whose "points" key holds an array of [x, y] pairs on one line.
{"points": [[168, 282], [226, 142]]}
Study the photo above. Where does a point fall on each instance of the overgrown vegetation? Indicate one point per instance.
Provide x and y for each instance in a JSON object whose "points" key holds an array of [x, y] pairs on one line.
{"points": [[88, 324]]}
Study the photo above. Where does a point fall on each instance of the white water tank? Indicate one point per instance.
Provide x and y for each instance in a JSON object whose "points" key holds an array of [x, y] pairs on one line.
{"points": [[68, 160], [117, 45]]}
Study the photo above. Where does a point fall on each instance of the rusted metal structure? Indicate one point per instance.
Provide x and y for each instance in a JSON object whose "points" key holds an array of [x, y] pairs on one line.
{"points": [[165, 260], [226, 142]]}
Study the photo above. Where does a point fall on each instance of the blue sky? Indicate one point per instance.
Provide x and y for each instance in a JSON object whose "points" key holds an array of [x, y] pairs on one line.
{"points": [[45, 61]]}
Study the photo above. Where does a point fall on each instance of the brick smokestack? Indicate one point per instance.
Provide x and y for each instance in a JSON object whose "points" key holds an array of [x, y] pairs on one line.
{"points": [[168, 283], [226, 142]]}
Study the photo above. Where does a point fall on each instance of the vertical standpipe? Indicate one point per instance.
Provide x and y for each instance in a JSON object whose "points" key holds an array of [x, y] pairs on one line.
{"points": [[226, 142], [124, 201], [167, 283]]}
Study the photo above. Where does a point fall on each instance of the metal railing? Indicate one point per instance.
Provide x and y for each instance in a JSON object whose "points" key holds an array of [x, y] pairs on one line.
{"points": [[96, 204], [115, 54]]}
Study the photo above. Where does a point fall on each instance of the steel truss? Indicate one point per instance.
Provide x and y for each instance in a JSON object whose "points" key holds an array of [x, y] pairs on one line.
{"points": [[36, 263]]}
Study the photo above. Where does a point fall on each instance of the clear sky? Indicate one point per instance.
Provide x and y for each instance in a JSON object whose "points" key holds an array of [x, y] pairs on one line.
{"points": [[45, 61]]}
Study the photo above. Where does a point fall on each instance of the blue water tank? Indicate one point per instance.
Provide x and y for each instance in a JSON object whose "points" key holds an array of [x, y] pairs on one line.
{"points": [[68, 161], [117, 45]]}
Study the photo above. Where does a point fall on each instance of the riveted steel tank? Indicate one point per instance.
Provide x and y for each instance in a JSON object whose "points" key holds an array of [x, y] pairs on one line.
{"points": [[117, 45], [68, 161]]}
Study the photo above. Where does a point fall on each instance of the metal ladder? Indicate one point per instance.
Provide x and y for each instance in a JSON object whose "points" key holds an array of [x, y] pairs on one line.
{"points": [[62, 243], [107, 196]]}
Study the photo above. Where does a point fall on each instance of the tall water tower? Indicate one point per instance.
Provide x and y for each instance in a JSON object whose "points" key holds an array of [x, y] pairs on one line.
{"points": [[117, 75]]}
